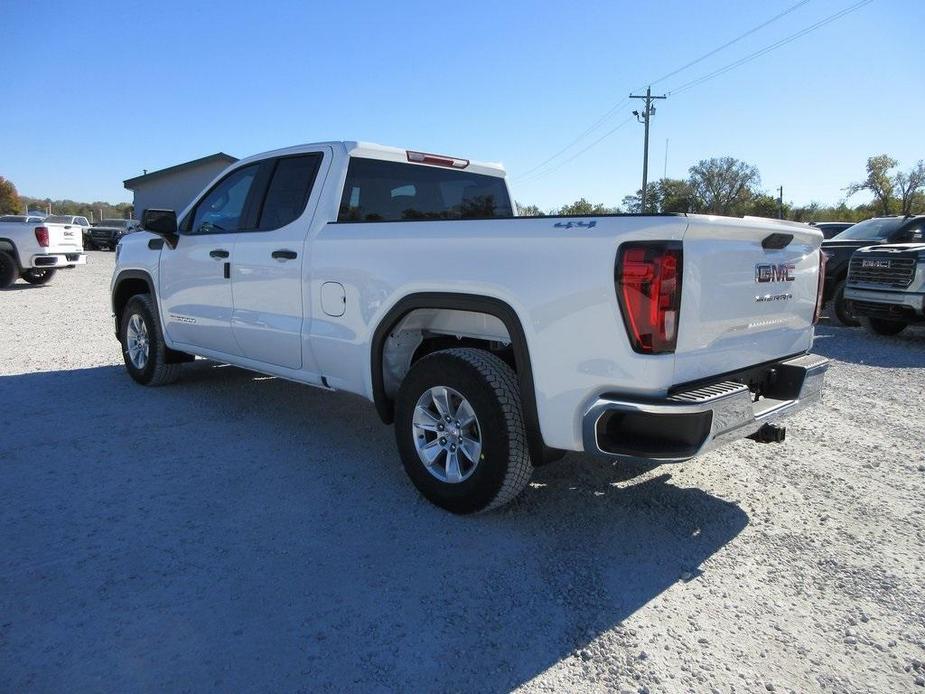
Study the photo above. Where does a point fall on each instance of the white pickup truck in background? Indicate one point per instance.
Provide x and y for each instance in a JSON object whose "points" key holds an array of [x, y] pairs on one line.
{"points": [[33, 249], [494, 343]]}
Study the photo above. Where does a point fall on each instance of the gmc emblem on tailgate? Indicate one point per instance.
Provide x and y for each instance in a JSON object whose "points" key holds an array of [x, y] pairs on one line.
{"points": [[767, 272]]}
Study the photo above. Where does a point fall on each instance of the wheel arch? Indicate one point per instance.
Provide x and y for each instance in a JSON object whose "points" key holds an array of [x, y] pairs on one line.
{"points": [[491, 306], [10, 247], [127, 284]]}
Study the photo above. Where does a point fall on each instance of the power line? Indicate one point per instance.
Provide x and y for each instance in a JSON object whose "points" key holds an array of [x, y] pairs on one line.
{"points": [[767, 49], [733, 41], [700, 80], [579, 152], [594, 126]]}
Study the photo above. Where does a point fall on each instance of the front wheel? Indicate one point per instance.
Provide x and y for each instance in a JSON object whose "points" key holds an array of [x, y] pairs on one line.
{"points": [[842, 307], [143, 348], [39, 275], [879, 326], [460, 431]]}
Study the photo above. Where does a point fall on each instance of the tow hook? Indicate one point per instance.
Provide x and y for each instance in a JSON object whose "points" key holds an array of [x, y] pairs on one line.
{"points": [[770, 433]]}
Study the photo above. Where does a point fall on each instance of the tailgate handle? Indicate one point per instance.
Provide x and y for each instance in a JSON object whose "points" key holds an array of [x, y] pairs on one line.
{"points": [[776, 241]]}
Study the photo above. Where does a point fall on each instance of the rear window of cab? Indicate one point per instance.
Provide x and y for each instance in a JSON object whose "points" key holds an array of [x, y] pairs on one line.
{"points": [[388, 191]]}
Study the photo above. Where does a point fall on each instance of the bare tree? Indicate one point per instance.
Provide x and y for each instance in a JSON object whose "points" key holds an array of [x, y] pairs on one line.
{"points": [[720, 185], [878, 181], [908, 184]]}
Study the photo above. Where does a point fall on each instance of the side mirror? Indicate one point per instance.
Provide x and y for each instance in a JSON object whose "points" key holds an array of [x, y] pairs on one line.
{"points": [[160, 222]]}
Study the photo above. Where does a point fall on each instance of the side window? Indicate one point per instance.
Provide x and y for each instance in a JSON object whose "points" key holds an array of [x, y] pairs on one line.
{"points": [[287, 194], [222, 209], [384, 191]]}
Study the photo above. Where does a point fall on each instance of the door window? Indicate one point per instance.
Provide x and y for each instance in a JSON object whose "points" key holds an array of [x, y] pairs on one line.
{"points": [[288, 191], [222, 210]]}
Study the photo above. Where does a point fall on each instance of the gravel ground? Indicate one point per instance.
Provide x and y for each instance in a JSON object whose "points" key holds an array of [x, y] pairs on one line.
{"points": [[238, 532]]}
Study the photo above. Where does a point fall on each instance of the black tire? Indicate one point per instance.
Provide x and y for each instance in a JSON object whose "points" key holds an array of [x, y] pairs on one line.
{"points": [[879, 326], [9, 270], [39, 275], [490, 386], [841, 307], [158, 369]]}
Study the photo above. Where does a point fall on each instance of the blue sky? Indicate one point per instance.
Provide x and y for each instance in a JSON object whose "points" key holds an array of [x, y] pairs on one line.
{"points": [[97, 91]]}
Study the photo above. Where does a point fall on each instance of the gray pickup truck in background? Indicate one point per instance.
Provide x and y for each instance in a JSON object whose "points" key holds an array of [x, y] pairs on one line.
{"points": [[886, 286]]}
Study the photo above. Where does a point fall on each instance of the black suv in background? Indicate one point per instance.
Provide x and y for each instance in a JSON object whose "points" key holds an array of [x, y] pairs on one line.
{"points": [[106, 233], [830, 229], [839, 249]]}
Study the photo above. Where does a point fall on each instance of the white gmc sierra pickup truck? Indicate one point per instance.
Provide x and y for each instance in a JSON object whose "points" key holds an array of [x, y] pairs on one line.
{"points": [[494, 343], [33, 249]]}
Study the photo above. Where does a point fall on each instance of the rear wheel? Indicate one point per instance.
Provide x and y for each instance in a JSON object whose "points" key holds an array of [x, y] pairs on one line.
{"points": [[460, 431], [9, 271], [38, 275], [879, 326], [146, 356], [842, 307]]}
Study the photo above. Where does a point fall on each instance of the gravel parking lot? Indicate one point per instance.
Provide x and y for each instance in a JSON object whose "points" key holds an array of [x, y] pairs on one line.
{"points": [[238, 532]]}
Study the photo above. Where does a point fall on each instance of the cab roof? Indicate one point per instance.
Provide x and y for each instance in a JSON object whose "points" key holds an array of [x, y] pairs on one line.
{"points": [[371, 150]]}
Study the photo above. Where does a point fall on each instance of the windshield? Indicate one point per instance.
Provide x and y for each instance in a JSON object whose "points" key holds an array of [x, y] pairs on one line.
{"points": [[59, 219], [114, 223], [12, 218], [871, 230]]}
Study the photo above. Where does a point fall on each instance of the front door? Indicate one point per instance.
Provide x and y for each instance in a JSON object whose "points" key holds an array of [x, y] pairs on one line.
{"points": [[269, 264], [195, 277]]}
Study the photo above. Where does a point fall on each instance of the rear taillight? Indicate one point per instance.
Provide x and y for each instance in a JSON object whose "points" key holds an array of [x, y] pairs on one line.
{"points": [[41, 235], [819, 284], [648, 281]]}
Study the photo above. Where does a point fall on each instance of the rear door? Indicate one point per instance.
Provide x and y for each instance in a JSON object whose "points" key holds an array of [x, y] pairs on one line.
{"points": [[195, 277], [271, 262], [748, 294]]}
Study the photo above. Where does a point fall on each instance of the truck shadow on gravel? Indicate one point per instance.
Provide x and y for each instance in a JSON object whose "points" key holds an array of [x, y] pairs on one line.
{"points": [[239, 532], [857, 346]]}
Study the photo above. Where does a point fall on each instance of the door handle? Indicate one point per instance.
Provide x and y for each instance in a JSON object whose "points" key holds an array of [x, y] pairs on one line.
{"points": [[219, 253], [285, 255]]}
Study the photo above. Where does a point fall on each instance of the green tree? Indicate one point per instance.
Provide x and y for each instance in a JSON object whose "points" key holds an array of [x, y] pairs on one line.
{"points": [[909, 186], [663, 195], [879, 182], [529, 210], [673, 195], [723, 185], [9, 197], [584, 207], [764, 205]]}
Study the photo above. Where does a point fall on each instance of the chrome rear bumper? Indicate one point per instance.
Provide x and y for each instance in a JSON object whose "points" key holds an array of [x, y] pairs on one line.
{"points": [[688, 423]]}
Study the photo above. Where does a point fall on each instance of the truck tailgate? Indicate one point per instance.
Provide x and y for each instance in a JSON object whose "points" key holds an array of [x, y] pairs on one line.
{"points": [[64, 238], [743, 303]]}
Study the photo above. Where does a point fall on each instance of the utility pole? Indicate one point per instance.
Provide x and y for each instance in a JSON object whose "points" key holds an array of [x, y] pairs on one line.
{"points": [[643, 117], [665, 170], [780, 203]]}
